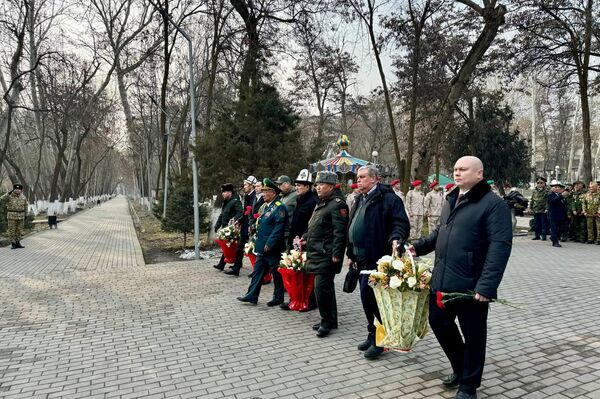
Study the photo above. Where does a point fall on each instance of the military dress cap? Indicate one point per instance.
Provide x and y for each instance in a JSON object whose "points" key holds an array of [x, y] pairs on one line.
{"points": [[395, 182], [541, 178], [326, 177], [554, 183], [304, 177], [250, 180], [227, 187], [268, 184], [416, 183], [17, 186], [448, 186], [283, 179], [578, 182], [433, 184]]}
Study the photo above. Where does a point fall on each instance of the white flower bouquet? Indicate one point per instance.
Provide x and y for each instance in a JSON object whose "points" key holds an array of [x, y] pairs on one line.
{"points": [[229, 234], [295, 260], [401, 286]]}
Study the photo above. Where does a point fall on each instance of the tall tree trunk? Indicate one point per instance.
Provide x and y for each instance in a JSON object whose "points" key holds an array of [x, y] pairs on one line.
{"points": [[494, 18], [386, 92]]}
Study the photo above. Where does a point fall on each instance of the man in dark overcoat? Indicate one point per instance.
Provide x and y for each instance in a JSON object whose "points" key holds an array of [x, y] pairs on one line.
{"points": [[472, 245], [378, 226], [231, 211], [325, 245], [244, 223]]}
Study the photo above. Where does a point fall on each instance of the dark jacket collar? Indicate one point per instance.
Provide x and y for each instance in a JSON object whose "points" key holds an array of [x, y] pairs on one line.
{"points": [[474, 194]]}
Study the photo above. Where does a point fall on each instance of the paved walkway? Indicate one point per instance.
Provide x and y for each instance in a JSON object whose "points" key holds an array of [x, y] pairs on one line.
{"points": [[81, 316]]}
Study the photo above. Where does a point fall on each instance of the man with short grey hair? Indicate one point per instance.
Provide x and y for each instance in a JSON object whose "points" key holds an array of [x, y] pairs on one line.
{"points": [[378, 226]]}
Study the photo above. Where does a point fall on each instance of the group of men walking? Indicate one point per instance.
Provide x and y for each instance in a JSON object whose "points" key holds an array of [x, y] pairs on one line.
{"points": [[566, 212], [369, 223]]}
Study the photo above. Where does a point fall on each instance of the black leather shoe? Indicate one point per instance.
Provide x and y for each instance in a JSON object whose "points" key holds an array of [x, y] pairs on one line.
{"points": [[543, 238], [219, 267], [322, 332], [373, 352], [19, 245], [13, 246], [464, 395], [232, 272], [246, 300], [316, 326], [364, 345], [450, 381], [557, 245], [308, 309], [535, 238], [284, 306], [274, 302]]}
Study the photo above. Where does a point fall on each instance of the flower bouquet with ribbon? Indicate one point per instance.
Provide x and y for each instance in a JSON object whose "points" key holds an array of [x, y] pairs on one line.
{"points": [[227, 238], [297, 282], [401, 286], [249, 252]]}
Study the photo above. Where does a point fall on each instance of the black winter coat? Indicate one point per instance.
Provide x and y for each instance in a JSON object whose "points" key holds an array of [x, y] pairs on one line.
{"points": [[327, 235], [472, 243], [557, 207], [248, 217], [385, 220], [231, 209], [305, 205]]}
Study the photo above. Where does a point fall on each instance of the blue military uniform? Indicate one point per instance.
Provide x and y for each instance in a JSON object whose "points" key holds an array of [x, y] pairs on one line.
{"points": [[269, 244]]}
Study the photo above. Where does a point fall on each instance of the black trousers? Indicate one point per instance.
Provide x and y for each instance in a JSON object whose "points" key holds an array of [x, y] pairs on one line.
{"points": [[325, 293], [541, 224], [239, 254], [466, 357], [557, 229], [262, 267], [367, 297]]}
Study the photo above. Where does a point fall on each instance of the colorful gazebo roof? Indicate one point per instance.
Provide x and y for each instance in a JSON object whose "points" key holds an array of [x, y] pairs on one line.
{"points": [[343, 162]]}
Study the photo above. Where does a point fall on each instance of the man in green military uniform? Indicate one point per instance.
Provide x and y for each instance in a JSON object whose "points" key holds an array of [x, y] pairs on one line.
{"points": [[231, 211], [578, 221], [591, 210], [269, 244], [17, 207], [539, 207], [325, 245]]}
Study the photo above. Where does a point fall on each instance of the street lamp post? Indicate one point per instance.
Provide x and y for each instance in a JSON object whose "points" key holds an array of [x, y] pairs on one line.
{"points": [[164, 13]]}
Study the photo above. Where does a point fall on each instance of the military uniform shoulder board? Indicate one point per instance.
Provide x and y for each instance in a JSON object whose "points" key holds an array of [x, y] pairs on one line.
{"points": [[278, 203]]}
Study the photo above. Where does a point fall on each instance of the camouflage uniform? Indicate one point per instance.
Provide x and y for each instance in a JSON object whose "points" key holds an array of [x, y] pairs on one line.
{"points": [[578, 220], [539, 206], [591, 206], [415, 210], [17, 207], [433, 208]]}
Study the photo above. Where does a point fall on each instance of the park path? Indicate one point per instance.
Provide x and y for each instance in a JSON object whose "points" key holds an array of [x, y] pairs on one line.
{"points": [[81, 316], [100, 238]]}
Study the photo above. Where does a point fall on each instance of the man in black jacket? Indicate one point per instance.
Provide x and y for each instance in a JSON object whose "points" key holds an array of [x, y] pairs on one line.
{"points": [[378, 226], [244, 223], [231, 210], [472, 245], [325, 244], [306, 201]]}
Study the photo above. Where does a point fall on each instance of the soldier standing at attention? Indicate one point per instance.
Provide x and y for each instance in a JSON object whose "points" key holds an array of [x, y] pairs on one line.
{"points": [[539, 207], [578, 222], [414, 208], [591, 210], [326, 243], [433, 205], [17, 207], [397, 189]]}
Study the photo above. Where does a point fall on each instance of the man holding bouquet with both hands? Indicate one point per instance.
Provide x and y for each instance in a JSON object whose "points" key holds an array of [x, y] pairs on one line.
{"points": [[472, 245]]}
